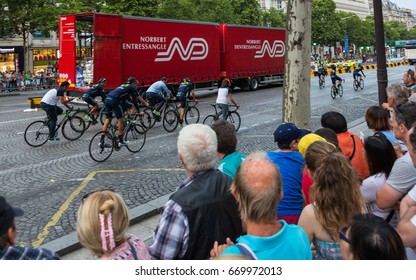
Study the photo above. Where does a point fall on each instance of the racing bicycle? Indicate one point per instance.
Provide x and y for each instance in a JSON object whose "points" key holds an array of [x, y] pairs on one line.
{"points": [[134, 136], [337, 89], [37, 133], [232, 116], [358, 83], [171, 117]]}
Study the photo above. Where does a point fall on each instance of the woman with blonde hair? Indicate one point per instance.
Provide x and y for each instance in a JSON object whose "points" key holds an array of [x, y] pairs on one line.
{"points": [[102, 222], [336, 190]]}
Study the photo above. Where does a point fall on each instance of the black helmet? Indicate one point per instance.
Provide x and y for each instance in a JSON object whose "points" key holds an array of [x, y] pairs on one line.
{"points": [[102, 80], [132, 80], [187, 79]]}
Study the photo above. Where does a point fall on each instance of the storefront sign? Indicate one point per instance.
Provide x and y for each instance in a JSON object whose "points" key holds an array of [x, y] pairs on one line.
{"points": [[7, 50]]}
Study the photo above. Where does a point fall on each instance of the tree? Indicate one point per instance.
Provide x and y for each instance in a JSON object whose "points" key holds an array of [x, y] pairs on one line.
{"points": [[246, 12], [215, 11], [394, 30], [144, 8], [177, 9], [28, 16], [296, 85], [325, 26], [273, 18]]}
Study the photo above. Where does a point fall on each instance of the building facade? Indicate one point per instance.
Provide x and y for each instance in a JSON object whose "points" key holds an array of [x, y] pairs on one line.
{"points": [[41, 54]]}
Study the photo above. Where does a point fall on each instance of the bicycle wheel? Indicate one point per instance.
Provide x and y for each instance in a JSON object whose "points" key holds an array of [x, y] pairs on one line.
{"points": [[235, 119], [152, 118], [102, 116], [101, 151], [170, 120], [36, 133], [210, 119], [82, 115], [362, 83], [191, 115], [145, 121], [340, 90], [355, 85], [136, 137], [333, 92], [73, 128], [320, 83]]}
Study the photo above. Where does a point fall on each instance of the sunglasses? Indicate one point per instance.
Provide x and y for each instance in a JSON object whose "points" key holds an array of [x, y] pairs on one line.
{"points": [[88, 194], [343, 235]]}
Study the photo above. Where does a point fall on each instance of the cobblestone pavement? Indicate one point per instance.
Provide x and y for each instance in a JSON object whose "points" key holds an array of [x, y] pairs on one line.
{"points": [[49, 181]]}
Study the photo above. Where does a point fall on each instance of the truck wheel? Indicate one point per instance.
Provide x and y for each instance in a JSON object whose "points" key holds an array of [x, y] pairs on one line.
{"points": [[254, 84]]}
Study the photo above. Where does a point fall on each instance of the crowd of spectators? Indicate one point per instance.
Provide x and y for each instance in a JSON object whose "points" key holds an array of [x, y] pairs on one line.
{"points": [[12, 81], [325, 195]]}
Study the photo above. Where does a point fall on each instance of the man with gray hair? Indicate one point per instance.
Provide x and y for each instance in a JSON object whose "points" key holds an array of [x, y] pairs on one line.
{"points": [[257, 188], [402, 177], [202, 209]]}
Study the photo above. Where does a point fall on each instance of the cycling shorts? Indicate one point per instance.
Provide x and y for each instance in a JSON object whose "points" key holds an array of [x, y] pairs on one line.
{"points": [[334, 79], [87, 98], [182, 98], [113, 106]]}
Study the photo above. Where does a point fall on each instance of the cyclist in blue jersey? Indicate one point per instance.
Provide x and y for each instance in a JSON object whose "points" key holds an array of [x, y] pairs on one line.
{"points": [[155, 95], [113, 104], [356, 72], [334, 76], [184, 91], [90, 94]]}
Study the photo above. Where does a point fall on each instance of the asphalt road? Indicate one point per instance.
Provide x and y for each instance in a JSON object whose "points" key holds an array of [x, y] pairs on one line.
{"points": [[48, 182]]}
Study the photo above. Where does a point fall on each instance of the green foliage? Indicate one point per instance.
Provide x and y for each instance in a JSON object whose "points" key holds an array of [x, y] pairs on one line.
{"points": [[246, 12], [145, 8], [215, 11], [394, 30], [325, 23], [177, 9], [273, 18]]}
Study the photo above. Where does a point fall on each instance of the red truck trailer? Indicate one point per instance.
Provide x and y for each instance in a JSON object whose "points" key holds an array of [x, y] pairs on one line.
{"points": [[251, 56], [117, 47]]}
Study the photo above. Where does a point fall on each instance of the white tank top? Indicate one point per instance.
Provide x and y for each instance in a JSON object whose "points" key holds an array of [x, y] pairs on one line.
{"points": [[222, 96]]}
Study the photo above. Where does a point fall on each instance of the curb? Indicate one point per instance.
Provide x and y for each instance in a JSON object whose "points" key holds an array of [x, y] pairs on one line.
{"points": [[70, 243]]}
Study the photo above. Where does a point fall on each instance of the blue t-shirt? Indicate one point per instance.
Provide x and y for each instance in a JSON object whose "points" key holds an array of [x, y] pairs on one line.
{"points": [[291, 166], [230, 163], [290, 243]]}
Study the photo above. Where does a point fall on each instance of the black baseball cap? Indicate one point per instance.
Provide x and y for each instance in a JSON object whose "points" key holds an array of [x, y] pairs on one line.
{"points": [[7, 215]]}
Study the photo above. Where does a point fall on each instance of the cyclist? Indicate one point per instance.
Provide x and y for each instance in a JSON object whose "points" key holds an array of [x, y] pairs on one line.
{"points": [[49, 104], [321, 69], [90, 94], [224, 95], [184, 91], [155, 95], [356, 72], [334, 76], [113, 105]]}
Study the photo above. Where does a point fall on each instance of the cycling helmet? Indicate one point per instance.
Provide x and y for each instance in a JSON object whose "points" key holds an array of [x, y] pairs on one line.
{"points": [[333, 67], [132, 80], [102, 80], [359, 65], [187, 79]]}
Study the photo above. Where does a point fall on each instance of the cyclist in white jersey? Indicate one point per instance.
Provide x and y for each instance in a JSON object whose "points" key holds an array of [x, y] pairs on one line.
{"points": [[224, 95]]}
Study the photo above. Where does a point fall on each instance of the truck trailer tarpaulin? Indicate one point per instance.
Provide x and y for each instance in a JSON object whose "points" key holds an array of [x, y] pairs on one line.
{"points": [[149, 48]]}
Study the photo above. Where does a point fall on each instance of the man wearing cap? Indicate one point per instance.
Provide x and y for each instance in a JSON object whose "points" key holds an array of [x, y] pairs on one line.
{"points": [[290, 163], [8, 250]]}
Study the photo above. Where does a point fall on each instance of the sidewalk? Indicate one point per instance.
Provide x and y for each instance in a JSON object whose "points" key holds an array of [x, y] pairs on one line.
{"points": [[145, 218]]}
